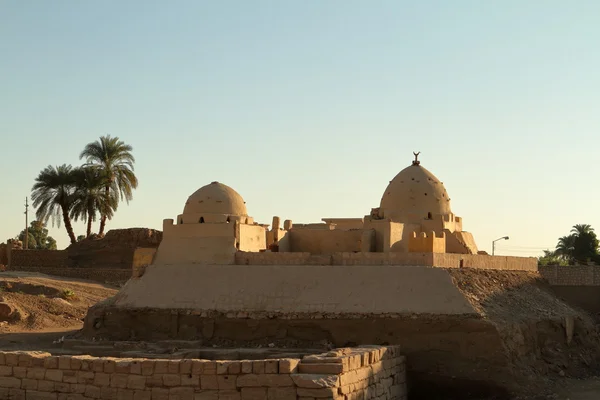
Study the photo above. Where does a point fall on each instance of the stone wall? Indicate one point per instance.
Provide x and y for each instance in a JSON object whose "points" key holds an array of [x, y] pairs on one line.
{"points": [[572, 275], [38, 258], [103, 275], [374, 372], [3, 254], [442, 260]]}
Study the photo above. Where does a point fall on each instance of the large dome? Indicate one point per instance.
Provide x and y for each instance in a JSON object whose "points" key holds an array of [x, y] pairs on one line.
{"points": [[215, 198], [413, 195]]}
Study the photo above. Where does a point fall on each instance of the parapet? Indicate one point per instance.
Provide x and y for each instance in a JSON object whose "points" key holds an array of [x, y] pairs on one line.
{"points": [[424, 242]]}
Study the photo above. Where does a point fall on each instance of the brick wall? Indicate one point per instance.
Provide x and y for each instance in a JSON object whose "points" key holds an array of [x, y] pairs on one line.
{"points": [[38, 258], [374, 372], [572, 275], [103, 275]]}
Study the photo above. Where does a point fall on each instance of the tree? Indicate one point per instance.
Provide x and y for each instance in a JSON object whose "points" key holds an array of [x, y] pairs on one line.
{"points": [[90, 198], [551, 258], [585, 245], [113, 157], [38, 237], [52, 195], [565, 247]]}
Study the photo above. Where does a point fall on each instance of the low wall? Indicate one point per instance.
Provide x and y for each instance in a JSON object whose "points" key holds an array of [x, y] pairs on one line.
{"points": [[347, 374], [38, 258], [102, 275], [442, 260], [571, 275]]}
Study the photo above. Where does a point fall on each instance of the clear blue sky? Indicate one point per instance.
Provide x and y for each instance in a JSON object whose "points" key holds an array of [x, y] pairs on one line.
{"points": [[309, 108]]}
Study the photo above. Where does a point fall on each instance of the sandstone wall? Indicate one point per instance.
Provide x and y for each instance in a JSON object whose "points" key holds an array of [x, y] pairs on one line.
{"points": [[38, 258], [376, 372]]}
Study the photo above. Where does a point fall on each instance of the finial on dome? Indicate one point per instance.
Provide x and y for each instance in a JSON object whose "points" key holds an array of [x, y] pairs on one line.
{"points": [[416, 160]]}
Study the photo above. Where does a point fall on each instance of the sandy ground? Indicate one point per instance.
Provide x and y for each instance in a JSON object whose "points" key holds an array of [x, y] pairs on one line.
{"points": [[42, 303]]}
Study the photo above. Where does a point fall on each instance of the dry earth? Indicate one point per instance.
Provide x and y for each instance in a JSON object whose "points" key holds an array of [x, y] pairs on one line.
{"points": [[42, 303]]}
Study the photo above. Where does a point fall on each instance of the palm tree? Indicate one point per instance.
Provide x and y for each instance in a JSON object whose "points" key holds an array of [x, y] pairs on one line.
{"points": [[113, 157], [89, 197], [566, 247], [52, 196], [581, 229]]}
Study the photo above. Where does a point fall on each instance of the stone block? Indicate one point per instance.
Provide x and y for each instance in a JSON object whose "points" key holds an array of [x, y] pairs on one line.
{"points": [[317, 393], [20, 372], [185, 367], [35, 395], [86, 377], [51, 362], [161, 367], [109, 366], [234, 368], [124, 394], [272, 367], [64, 362], [288, 393], [173, 366], [55, 375], [101, 379], [136, 382], [258, 367], [29, 384], [181, 393], [46, 386], [160, 394], [324, 369], [288, 365], [36, 373], [315, 381], [147, 367], [251, 393], [206, 395], [92, 392], [209, 382], [108, 393], [135, 367], [171, 380], [226, 382], [142, 395], [190, 380], [222, 367], [229, 395], [10, 382], [270, 380], [12, 359], [119, 381], [6, 370], [246, 367], [69, 376]]}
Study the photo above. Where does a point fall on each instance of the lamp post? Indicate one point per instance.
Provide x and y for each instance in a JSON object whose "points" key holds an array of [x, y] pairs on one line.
{"points": [[494, 243]]}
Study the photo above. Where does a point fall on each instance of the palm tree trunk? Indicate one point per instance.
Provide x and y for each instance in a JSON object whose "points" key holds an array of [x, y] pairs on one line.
{"points": [[89, 226], [68, 225], [103, 216]]}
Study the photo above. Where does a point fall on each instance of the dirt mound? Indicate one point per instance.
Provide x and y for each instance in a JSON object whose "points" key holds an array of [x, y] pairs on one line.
{"points": [[35, 302], [531, 322], [114, 250]]}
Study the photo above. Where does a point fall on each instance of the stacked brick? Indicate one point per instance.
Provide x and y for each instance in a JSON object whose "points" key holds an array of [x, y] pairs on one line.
{"points": [[347, 374]]}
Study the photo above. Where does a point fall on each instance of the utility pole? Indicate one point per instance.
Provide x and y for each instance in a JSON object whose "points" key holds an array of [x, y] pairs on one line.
{"points": [[26, 244]]}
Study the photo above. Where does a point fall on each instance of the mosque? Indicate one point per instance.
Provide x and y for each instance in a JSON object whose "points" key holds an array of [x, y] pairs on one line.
{"points": [[414, 216]]}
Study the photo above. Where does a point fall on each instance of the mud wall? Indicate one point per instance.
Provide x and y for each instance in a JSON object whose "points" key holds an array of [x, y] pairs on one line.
{"points": [[571, 275], [115, 250], [442, 260], [375, 372], [38, 258]]}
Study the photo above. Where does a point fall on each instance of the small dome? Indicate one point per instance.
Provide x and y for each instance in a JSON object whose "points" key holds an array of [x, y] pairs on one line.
{"points": [[215, 198], [413, 195]]}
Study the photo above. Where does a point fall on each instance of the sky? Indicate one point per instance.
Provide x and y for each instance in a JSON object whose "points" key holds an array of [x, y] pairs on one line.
{"points": [[309, 108]]}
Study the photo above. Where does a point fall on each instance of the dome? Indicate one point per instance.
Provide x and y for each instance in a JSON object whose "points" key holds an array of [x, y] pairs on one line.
{"points": [[215, 198], [413, 195]]}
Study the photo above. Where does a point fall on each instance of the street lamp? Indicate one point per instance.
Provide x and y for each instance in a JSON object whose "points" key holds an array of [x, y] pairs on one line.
{"points": [[494, 243]]}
